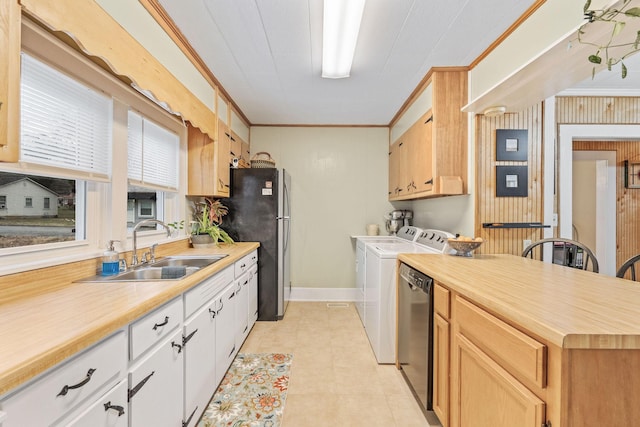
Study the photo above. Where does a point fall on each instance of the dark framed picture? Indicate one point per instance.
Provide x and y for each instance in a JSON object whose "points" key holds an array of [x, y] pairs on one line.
{"points": [[511, 144], [512, 181]]}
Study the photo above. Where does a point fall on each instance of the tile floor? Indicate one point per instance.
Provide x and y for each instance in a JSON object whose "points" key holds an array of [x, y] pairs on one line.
{"points": [[335, 379]]}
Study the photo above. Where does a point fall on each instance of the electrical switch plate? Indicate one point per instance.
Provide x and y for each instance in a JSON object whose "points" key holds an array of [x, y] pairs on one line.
{"points": [[525, 244]]}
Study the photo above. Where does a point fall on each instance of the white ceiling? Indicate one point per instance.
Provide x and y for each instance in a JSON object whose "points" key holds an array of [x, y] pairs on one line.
{"points": [[267, 54]]}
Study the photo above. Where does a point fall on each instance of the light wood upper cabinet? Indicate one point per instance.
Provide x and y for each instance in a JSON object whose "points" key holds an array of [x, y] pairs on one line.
{"points": [[10, 19], [435, 157], [236, 146], [209, 173]]}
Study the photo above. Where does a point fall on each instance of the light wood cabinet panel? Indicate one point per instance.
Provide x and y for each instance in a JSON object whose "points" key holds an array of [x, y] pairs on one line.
{"points": [[208, 173], [235, 149], [441, 333], [245, 158], [398, 160], [436, 156], [10, 19], [487, 395]]}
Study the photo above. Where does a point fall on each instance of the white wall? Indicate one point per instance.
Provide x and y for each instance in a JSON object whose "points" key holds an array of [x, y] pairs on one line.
{"points": [[453, 214], [339, 184]]}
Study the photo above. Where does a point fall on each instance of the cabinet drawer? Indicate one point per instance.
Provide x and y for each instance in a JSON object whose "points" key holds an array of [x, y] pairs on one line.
{"points": [[244, 263], [207, 289], [151, 328], [520, 354], [68, 385], [108, 411], [441, 301]]}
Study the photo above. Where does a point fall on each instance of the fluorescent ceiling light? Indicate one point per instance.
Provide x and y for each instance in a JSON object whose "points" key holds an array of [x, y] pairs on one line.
{"points": [[341, 24]]}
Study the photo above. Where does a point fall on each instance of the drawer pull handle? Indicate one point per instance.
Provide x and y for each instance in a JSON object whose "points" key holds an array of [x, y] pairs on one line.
{"points": [[66, 388], [174, 344], [213, 313], [243, 265], [157, 325], [186, 339], [186, 423], [108, 406], [137, 388], [221, 306]]}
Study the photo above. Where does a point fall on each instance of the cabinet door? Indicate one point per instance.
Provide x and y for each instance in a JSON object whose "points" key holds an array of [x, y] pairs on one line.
{"points": [[223, 150], [421, 155], [156, 386], [9, 80], [488, 396], [235, 148], [201, 157], [242, 309], [225, 331], [245, 158], [441, 369], [253, 296], [199, 361]]}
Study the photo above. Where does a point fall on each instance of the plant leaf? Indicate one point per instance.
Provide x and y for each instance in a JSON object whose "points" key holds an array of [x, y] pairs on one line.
{"points": [[586, 5], [624, 70], [633, 12], [617, 28], [595, 59]]}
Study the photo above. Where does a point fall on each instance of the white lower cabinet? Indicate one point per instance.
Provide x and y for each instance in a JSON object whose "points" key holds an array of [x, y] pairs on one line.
{"points": [[71, 386], [108, 411], [253, 296], [199, 362], [242, 309], [225, 330], [161, 370], [155, 386]]}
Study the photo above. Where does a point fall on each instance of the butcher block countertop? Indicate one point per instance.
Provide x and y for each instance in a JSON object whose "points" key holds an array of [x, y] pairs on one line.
{"points": [[40, 330], [567, 307]]}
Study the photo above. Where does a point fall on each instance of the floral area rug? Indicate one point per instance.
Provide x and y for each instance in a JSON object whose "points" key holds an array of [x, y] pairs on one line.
{"points": [[252, 393]]}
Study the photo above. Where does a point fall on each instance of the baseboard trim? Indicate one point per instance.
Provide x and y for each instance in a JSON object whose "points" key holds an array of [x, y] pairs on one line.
{"points": [[323, 294]]}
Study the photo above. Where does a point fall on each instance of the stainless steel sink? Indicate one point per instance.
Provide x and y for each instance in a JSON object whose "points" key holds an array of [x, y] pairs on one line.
{"points": [[170, 268]]}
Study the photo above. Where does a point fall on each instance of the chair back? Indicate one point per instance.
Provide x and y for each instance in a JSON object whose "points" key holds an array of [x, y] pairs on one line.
{"points": [[629, 265], [567, 252]]}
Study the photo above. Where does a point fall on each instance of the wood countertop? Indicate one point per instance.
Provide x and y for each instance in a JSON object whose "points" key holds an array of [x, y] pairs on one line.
{"points": [[39, 331], [567, 307]]}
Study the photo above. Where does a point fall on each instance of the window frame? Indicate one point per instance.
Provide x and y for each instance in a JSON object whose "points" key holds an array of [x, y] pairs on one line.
{"points": [[105, 203]]}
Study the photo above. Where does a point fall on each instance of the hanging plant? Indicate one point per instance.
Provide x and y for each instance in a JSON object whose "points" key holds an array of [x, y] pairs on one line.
{"points": [[613, 51]]}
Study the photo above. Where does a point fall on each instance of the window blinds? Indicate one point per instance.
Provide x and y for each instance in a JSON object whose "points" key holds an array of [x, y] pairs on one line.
{"points": [[64, 123], [153, 154]]}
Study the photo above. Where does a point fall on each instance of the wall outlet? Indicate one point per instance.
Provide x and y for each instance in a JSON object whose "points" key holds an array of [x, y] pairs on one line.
{"points": [[525, 244]]}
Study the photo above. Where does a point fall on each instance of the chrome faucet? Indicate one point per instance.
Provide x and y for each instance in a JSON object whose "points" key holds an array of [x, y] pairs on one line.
{"points": [[134, 258]]}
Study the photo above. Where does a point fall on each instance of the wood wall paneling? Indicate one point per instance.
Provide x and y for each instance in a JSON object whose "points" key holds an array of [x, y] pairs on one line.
{"points": [[490, 208]]}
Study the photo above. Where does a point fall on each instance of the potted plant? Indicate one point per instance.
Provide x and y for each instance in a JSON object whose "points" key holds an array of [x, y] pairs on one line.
{"points": [[205, 228]]}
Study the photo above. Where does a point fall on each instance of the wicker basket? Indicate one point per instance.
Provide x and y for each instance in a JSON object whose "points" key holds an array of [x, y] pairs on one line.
{"points": [[257, 162]]}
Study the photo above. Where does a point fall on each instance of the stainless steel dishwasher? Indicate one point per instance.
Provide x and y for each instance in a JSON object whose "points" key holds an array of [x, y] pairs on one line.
{"points": [[415, 333]]}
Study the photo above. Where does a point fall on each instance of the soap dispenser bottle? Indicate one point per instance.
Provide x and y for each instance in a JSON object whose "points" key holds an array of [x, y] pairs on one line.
{"points": [[110, 261]]}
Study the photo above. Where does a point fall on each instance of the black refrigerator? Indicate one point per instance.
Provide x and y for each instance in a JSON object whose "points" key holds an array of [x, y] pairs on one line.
{"points": [[260, 211]]}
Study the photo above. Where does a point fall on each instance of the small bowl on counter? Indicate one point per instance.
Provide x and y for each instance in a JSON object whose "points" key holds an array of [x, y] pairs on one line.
{"points": [[464, 246]]}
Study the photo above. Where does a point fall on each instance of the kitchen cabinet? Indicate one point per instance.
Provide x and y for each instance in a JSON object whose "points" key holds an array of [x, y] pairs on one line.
{"points": [[225, 331], [245, 159], [10, 44], [110, 410], [74, 384], [208, 160], [235, 147], [242, 309], [429, 159], [156, 385], [441, 346], [253, 295]]}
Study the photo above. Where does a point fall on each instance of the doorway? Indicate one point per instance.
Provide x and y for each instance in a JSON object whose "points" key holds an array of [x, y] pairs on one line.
{"points": [[566, 135]]}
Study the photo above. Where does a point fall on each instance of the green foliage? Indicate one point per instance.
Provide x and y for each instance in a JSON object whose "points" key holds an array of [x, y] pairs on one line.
{"points": [[207, 217], [611, 52]]}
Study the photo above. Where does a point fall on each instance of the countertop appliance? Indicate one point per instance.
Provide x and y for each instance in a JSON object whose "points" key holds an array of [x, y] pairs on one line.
{"points": [[397, 219], [405, 234], [380, 286], [415, 333], [260, 211]]}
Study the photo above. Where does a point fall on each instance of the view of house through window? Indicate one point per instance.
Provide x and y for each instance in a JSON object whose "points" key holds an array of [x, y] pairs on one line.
{"points": [[143, 203], [36, 210]]}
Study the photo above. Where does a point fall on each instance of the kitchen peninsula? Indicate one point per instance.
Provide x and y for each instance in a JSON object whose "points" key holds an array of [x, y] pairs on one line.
{"points": [[522, 342]]}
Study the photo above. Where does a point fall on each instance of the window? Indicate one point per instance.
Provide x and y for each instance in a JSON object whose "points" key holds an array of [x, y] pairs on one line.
{"points": [[3, 202], [28, 202], [47, 203]]}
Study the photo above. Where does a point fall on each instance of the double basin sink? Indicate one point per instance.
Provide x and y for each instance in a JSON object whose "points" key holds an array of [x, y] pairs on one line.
{"points": [[168, 268]]}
